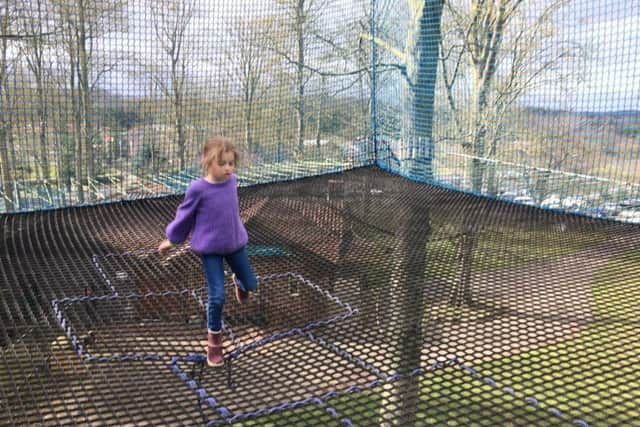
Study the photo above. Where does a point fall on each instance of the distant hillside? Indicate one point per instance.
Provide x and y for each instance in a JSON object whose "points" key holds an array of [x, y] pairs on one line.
{"points": [[622, 113], [611, 114], [587, 126]]}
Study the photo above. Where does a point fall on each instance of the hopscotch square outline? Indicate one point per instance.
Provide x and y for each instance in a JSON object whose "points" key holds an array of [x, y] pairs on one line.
{"points": [[229, 416], [114, 277], [80, 348], [321, 401], [240, 347]]}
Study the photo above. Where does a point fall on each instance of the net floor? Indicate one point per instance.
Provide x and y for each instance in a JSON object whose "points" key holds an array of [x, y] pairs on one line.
{"points": [[381, 302]]}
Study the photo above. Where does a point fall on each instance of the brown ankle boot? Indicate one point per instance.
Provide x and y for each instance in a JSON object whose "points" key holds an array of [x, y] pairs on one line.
{"points": [[214, 349], [242, 296]]}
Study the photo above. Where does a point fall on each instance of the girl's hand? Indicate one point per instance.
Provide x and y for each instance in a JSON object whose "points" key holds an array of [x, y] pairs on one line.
{"points": [[165, 246]]}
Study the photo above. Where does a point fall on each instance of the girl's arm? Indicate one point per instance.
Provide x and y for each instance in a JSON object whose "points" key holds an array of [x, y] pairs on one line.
{"points": [[164, 247], [178, 230]]}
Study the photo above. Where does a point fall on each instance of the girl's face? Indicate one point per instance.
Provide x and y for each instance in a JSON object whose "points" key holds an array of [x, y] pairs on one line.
{"points": [[221, 168]]}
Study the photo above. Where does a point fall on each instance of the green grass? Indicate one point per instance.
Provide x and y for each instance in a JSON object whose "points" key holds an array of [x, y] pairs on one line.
{"points": [[491, 253], [495, 252], [592, 376]]}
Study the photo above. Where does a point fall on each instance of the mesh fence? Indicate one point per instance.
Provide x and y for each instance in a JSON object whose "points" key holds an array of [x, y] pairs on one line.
{"points": [[532, 102], [114, 99]]}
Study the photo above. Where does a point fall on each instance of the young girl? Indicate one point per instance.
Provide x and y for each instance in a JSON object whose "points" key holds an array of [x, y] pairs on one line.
{"points": [[211, 213]]}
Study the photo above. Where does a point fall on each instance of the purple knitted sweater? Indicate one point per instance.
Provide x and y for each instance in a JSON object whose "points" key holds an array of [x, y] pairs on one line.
{"points": [[211, 213]]}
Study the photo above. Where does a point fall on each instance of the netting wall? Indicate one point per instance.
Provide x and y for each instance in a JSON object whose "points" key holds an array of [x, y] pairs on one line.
{"points": [[535, 102], [105, 100], [532, 102]]}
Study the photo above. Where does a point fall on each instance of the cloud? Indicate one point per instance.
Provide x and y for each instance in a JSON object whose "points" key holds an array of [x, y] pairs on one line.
{"points": [[610, 35], [208, 37]]}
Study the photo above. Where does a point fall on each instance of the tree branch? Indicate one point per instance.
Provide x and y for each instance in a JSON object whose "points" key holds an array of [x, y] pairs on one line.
{"points": [[385, 45], [26, 36]]}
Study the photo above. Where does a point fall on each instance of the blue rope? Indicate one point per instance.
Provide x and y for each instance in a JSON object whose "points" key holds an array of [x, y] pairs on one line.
{"points": [[531, 400], [231, 417], [103, 274], [348, 312], [80, 349], [346, 355], [201, 392]]}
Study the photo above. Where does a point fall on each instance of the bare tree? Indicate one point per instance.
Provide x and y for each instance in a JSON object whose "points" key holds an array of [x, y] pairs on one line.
{"points": [[170, 22], [37, 23], [80, 23], [384, 22], [249, 69], [7, 99], [300, 20], [498, 51], [418, 64], [282, 110]]}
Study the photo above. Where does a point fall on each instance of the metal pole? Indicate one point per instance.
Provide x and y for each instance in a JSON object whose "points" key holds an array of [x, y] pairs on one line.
{"points": [[374, 112]]}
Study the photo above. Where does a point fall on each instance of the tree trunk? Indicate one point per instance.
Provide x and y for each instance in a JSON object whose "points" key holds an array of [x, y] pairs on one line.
{"points": [[248, 113], [477, 145], [300, 18], [541, 184], [422, 48], [85, 109], [318, 133], [5, 164], [176, 82], [321, 103], [43, 119], [35, 62], [71, 33], [6, 142], [77, 119], [280, 134], [492, 179], [487, 35], [466, 247], [180, 131], [403, 324]]}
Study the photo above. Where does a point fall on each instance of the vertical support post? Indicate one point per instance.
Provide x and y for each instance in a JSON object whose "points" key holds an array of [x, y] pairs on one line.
{"points": [[227, 365], [374, 101]]}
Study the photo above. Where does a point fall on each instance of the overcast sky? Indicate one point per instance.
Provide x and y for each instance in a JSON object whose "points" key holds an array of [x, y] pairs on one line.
{"points": [[208, 35], [609, 28]]}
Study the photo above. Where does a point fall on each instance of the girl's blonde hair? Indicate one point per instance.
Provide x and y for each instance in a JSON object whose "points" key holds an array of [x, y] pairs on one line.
{"points": [[213, 149]]}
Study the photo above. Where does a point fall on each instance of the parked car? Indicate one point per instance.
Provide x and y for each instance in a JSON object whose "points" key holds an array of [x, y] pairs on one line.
{"points": [[573, 203], [611, 209], [552, 202], [630, 204], [525, 200], [508, 196], [596, 212], [629, 215]]}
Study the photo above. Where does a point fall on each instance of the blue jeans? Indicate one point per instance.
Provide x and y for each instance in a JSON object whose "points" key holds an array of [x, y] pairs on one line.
{"points": [[214, 272]]}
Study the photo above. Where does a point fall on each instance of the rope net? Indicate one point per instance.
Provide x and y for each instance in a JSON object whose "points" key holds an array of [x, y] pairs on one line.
{"points": [[436, 192], [111, 100], [381, 302]]}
